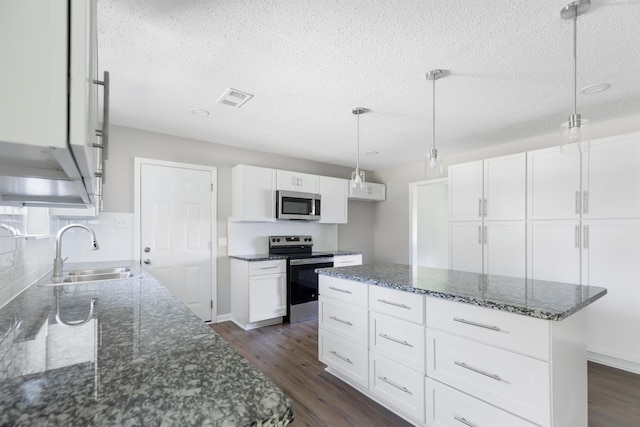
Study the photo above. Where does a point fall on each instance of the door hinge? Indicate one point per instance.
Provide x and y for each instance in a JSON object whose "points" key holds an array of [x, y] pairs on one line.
{"points": [[212, 187], [211, 304]]}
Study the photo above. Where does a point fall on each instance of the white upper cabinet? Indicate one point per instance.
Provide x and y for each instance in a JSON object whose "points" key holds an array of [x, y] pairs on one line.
{"points": [[47, 78], [371, 191], [253, 193], [610, 177], [333, 205], [491, 189], [553, 184], [296, 181]]}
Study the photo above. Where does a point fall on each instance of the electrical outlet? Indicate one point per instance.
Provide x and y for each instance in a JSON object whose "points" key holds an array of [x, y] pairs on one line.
{"points": [[121, 223]]}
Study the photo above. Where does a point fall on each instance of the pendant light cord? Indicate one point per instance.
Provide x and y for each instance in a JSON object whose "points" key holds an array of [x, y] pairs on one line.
{"points": [[434, 113], [575, 61], [358, 152]]}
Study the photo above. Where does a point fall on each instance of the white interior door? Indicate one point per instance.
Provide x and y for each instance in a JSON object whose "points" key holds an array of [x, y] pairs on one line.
{"points": [[175, 232]]}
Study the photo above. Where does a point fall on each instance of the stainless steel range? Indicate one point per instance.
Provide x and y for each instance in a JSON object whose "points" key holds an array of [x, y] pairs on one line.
{"points": [[302, 281]]}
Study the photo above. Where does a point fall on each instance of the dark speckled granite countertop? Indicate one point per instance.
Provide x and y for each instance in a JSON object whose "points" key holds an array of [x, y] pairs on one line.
{"points": [[534, 298], [142, 358]]}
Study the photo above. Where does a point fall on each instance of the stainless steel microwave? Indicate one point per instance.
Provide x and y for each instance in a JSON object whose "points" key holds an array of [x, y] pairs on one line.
{"points": [[295, 205]]}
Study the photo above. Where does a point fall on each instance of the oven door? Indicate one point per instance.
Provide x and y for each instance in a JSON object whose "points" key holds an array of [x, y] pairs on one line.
{"points": [[302, 288]]}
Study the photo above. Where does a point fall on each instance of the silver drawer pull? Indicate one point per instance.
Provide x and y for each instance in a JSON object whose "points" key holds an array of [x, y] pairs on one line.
{"points": [[463, 421], [339, 356], [480, 325], [479, 371], [384, 301], [340, 290], [391, 383], [385, 336], [268, 268], [346, 322]]}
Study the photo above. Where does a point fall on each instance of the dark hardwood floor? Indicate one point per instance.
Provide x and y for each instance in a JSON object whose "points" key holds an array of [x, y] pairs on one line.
{"points": [[288, 355]]}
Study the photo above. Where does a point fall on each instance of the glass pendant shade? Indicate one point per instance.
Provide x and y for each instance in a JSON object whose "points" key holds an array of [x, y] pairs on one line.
{"points": [[433, 164], [357, 176], [357, 179], [574, 135]]}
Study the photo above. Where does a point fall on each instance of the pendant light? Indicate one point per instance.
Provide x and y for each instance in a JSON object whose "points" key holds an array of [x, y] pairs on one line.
{"points": [[433, 163], [357, 176], [574, 137]]}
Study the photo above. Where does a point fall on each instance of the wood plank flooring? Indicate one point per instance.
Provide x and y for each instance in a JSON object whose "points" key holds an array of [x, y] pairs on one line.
{"points": [[288, 355]]}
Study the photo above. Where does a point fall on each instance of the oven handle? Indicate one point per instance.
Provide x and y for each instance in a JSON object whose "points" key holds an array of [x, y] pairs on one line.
{"points": [[307, 261]]}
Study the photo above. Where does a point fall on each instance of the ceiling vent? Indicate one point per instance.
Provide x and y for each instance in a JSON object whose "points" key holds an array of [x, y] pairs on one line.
{"points": [[234, 98]]}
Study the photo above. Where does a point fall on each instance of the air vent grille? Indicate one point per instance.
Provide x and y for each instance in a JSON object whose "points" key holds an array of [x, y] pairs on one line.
{"points": [[234, 98]]}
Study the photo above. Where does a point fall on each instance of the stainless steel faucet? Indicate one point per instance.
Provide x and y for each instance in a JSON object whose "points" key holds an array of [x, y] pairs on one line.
{"points": [[58, 261]]}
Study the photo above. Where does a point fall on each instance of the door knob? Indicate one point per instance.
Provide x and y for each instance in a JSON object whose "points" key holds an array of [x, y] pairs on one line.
{"points": [[147, 261], [147, 249]]}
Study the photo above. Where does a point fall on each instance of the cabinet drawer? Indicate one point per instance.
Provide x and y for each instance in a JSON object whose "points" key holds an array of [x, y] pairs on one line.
{"points": [[267, 267], [516, 383], [349, 359], [347, 291], [347, 260], [522, 334], [345, 320], [399, 340], [447, 407], [403, 305], [401, 387]]}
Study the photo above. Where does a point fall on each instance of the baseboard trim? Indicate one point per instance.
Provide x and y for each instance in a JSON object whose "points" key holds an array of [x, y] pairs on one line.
{"points": [[614, 362]]}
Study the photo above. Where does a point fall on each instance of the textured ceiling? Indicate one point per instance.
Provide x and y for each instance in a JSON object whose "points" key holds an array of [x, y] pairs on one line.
{"points": [[309, 62]]}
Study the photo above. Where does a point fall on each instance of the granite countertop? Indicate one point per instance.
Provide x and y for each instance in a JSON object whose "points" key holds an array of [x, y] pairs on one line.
{"points": [[267, 257], [534, 298], [142, 358]]}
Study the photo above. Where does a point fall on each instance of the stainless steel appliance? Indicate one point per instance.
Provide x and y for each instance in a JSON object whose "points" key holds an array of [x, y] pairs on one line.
{"points": [[302, 281], [296, 205]]}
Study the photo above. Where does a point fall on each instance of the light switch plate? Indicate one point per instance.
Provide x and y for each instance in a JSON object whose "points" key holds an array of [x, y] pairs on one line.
{"points": [[222, 241]]}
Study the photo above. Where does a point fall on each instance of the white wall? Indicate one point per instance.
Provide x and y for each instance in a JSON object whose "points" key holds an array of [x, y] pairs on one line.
{"points": [[392, 231]]}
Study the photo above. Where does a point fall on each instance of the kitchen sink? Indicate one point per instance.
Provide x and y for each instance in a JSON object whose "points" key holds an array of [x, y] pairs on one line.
{"points": [[94, 271], [97, 276]]}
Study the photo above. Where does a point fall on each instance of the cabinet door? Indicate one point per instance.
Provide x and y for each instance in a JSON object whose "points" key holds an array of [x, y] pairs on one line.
{"points": [[296, 181], [334, 193], [465, 246], [505, 185], [553, 184], [553, 251], [610, 259], [347, 260], [465, 191], [611, 178], [505, 249], [253, 196], [267, 296], [372, 191]]}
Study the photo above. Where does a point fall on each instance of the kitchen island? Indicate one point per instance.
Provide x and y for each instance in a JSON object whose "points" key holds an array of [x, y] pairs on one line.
{"points": [[448, 348], [140, 357]]}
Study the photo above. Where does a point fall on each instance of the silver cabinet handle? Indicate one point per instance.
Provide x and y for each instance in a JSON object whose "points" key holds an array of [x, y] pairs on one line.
{"points": [[585, 202], [576, 236], [395, 304], [344, 291], [268, 268], [104, 132], [339, 356], [577, 203], [484, 208], [480, 325], [484, 232], [478, 371], [463, 421], [585, 237], [346, 322], [403, 342], [479, 234], [480, 208], [147, 261], [391, 383]]}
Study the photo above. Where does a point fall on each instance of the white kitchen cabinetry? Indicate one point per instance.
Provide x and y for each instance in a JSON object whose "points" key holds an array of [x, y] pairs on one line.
{"points": [[333, 205], [492, 247], [347, 260], [297, 181], [500, 361], [371, 191], [554, 250], [47, 76], [343, 316], [258, 292], [490, 189], [253, 193]]}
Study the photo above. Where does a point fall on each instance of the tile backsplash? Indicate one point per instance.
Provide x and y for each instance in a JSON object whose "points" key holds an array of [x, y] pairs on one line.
{"points": [[25, 258]]}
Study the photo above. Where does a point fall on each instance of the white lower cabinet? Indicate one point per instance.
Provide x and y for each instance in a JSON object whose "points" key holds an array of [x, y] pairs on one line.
{"points": [[448, 407], [344, 356], [401, 387], [347, 260], [399, 340], [346, 320]]}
